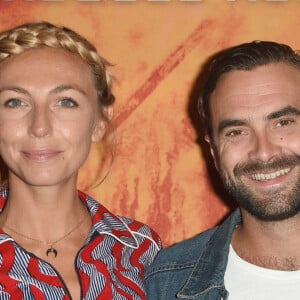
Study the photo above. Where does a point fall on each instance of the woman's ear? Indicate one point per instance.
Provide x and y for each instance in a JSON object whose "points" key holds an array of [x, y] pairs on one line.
{"points": [[101, 124], [108, 112]]}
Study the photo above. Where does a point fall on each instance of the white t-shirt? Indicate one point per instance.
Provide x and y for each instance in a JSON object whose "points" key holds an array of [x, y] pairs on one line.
{"points": [[245, 281]]}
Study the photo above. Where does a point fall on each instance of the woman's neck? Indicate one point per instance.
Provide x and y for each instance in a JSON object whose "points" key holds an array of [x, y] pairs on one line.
{"points": [[35, 210]]}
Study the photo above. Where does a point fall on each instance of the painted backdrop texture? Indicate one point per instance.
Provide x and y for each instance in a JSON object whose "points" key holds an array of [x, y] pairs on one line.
{"points": [[162, 173]]}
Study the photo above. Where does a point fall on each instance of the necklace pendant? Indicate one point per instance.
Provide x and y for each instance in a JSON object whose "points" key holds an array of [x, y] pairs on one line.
{"points": [[51, 250]]}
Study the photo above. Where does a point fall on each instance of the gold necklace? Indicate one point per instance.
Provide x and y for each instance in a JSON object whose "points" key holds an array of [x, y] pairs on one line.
{"points": [[50, 248]]}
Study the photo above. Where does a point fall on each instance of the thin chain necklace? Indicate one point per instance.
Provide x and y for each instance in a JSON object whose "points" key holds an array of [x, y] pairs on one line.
{"points": [[50, 244]]}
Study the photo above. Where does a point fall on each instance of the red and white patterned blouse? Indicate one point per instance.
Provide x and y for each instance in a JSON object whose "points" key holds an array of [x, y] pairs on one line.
{"points": [[110, 265]]}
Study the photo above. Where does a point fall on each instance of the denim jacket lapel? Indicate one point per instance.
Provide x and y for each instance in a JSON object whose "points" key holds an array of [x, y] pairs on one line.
{"points": [[209, 270]]}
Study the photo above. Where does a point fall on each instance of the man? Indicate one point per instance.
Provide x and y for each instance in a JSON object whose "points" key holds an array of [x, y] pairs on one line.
{"points": [[251, 107]]}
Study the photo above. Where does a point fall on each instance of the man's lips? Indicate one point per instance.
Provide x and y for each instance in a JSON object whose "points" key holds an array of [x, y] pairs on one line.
{"points": [[270, 175], [41, 155], [267, 172]]}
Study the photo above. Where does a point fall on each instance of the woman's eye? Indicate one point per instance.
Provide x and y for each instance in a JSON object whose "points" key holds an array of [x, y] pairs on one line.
{"points": [[14, 103], [67, 102]]}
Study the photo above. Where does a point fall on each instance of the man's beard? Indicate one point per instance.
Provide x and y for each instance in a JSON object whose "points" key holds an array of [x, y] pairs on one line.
{"points": [[273, 204]]}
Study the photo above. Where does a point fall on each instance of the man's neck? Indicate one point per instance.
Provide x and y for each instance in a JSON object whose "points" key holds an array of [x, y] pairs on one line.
{"points": [[272, 245]]}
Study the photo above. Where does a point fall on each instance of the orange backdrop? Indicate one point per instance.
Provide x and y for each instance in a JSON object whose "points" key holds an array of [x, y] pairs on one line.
{"points": [[159, 175]]}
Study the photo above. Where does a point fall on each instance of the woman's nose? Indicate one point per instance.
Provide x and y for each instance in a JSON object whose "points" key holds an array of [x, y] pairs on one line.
{"points": [[40, 123]]}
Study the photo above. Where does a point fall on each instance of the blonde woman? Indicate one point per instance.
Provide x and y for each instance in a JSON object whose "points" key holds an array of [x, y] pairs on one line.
{"points": [[56, 242]]}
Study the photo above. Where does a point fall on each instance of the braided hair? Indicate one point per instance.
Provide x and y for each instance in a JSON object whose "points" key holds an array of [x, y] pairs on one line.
{"points": [[44, 34]]}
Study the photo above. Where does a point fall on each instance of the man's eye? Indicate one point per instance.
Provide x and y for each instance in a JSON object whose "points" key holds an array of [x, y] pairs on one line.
{"points": [[234, 133], [285, 122], [67, 102], [14, 103]]}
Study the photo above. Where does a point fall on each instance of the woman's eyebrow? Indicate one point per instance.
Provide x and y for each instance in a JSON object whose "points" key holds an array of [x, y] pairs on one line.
{"points": [[66, 87], [14, 89], [58, 89]]}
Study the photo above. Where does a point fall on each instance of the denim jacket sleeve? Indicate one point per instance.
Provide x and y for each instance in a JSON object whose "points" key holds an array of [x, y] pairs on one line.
{"points": [[193, 269], [172, 268]]}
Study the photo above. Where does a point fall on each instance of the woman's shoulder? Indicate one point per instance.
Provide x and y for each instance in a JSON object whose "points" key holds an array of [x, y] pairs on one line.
{"points": [[125, 229], [142, 231]]}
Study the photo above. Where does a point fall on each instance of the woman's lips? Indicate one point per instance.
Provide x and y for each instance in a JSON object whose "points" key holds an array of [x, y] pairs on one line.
{"points": [[41, 155]]}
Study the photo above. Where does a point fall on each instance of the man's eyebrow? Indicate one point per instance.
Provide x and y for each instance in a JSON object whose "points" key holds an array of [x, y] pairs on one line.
{"points": [[286, 111], [64, 87], [231, 123]]}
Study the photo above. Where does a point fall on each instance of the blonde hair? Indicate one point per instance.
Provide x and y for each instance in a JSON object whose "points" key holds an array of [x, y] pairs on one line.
{"points": [[41, 34], [44, 34]]}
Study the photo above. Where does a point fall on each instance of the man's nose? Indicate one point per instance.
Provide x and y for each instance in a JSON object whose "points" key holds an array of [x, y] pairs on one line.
{"points": [[264, 146]]}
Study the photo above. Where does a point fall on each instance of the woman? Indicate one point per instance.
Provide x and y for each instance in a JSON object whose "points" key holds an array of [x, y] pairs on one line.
{"points": [[56, 242]]}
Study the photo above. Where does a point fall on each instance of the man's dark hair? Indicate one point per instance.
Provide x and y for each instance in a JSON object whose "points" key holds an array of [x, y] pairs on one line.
{"points": [[245, 57]]}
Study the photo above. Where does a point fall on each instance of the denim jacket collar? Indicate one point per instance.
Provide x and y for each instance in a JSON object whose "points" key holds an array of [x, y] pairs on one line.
{"points": [[208, 272]]}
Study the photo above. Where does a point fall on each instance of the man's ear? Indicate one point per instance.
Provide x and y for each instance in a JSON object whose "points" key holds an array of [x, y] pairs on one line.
{"points": [[213, 150], [101, 124]]}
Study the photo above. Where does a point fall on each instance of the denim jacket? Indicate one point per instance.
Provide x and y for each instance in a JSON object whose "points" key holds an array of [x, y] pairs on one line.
{"points": [[195, 268]]}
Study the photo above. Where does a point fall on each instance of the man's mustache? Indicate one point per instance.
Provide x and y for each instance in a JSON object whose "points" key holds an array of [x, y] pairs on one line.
{"points": [[258, 166]]}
